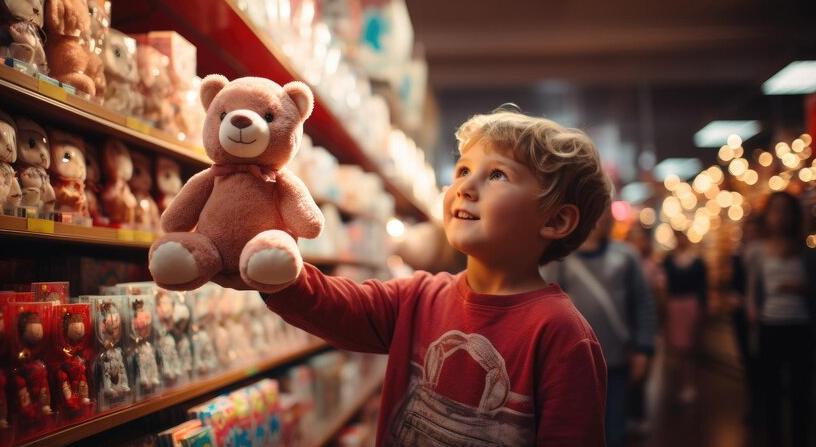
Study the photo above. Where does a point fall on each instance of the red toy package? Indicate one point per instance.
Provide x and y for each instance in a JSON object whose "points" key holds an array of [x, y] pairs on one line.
{"points": [[50, 291], [71, 340]]}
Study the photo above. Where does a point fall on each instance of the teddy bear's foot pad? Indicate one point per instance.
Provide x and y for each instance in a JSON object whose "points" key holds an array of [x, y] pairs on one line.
{"points": [[171, 263], [272, 266]]}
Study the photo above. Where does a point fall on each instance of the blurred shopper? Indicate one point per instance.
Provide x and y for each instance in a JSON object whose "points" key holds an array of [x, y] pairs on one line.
{"points": [[744, 333], [780, 293], [641, 239], [605, 280], [687, 294]]}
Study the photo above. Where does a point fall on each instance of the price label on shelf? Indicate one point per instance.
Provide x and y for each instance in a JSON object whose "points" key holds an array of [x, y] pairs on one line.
{"points": [[40, 225], [143, 236], [125, 235], [52, 91], [137, 125]]}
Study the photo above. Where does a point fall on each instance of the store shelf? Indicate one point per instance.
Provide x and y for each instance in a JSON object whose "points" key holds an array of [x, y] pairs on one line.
{"points": [[45, 230], [22, 94], [327, 430], [18, 227], [228, 43], [176, 396], [347, 211]]}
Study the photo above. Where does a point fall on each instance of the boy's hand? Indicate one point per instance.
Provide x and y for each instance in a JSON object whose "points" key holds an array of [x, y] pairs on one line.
{"points": [[638, 367]]}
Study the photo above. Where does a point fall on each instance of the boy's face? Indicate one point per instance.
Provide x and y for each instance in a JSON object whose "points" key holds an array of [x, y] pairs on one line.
{"points": [[491, 209]]}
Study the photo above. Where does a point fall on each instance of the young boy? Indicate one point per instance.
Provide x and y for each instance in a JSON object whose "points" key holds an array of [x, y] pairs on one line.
{"points": [[493, 355]]}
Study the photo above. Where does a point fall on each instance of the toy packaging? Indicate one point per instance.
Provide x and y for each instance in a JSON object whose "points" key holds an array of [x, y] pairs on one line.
{"points": [[22, 30], [171, 367], [180, 331], [205, 360], [29, 376], [67, 171], [121, 74], [72, 338], [33, 160], [113, 383], [51, 291], [141, 355], [68, 47]]}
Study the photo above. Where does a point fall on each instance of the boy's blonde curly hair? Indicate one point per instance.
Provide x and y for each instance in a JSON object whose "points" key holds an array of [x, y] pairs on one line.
{"points": [[564, 160]]}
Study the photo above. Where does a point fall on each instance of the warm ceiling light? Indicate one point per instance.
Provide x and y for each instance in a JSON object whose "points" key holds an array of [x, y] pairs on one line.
{"points": [[735, 213], [715, 132], [751, 177], [734, 141], [805, 175], [776, 183], [798, 78], [671, 182], [806, 138], [765, 159], [716, 174], [726, 153]]}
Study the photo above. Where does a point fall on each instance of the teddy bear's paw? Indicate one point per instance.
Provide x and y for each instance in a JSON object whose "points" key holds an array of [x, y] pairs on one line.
{"points": [[171, 263], [272, 266]]}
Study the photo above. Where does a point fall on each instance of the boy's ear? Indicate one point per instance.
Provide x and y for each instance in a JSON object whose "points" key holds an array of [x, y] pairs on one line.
{"points": [[561, 223]]}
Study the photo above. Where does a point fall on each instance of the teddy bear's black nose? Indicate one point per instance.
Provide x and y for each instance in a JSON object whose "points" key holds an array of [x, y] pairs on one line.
{"points": [[241, 121]]}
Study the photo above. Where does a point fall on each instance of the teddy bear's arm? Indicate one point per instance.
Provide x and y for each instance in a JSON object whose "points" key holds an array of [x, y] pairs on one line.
{"points": [[183, 212], [298, 209]]}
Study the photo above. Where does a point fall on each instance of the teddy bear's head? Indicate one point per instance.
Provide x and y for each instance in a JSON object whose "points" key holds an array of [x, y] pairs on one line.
{"points": [[254, 120], [67, 155], [69, 18], [25, 10], [119, 57]]}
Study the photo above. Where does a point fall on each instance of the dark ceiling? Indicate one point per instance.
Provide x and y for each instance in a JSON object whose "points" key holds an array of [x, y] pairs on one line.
{"points": [[658, 70]]}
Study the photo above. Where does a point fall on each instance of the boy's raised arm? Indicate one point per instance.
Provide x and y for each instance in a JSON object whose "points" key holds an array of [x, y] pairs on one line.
{"points": [[352, 316]]}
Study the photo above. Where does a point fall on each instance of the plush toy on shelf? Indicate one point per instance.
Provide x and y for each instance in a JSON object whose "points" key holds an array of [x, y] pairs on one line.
{"points": [[147, 212], [33, 160], [22, 27], [70, 60], [68, 172], [93, 178], [156, 87], [122, 74], [247, 209], [8, 155], [168, 181], [118, 201]]}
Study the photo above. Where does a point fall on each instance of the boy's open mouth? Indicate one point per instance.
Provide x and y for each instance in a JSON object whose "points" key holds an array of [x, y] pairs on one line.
{"points": [[462, 214]]}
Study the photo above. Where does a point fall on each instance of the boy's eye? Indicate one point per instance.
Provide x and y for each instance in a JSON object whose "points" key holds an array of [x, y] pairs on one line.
{"points": [[461, 172], [498, 175]]}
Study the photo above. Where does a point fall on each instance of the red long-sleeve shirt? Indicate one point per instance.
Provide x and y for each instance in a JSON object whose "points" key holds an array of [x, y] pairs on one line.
{"points": [[462, 365]]}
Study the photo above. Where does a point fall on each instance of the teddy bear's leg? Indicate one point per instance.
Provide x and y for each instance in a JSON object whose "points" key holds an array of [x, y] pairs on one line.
{"points": [[270, 261], [183, 261]]}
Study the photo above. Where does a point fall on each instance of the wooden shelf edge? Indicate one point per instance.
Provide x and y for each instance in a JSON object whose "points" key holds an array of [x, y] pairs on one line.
{"points": [[337, 421], [106, 421], [67, 233], [23, 90]]}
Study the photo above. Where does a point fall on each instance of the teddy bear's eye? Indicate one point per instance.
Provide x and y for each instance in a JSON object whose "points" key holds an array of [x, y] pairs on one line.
{"points": [[269, 117], [31, 143], [223, 114], [66, 157], [117, 52]]}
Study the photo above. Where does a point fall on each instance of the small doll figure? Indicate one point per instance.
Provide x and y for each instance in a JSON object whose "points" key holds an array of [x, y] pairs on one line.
{"points": [[114, 383], [33, 160], [31, 375], [71, 376], [147, 212], [68, 172], [93, 178], [181, 323], [118, 201], [21, 31], [171, 364], [147, 370], [168, 181]]}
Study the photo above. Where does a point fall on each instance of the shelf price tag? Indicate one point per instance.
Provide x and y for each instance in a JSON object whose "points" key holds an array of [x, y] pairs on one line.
{"points": [[125, 235], [137, 125], [143, 236], [52, 91], [40, 225]]}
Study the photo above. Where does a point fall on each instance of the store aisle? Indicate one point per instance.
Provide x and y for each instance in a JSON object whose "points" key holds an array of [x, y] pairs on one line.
{"points": [[717, 417]]}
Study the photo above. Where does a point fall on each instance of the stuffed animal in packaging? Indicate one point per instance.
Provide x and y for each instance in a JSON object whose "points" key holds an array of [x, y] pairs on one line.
{"points": [[68, 172], [147, 212], [121, 74], [168, 181], [68, 46], [156, 87], [20, 32], [33, 160], [247, 209], [118, 201], [100, 11]]}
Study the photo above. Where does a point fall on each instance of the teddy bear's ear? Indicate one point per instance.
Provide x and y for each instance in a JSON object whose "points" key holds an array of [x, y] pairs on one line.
{"points": [[210, 86], [301, 94]]}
